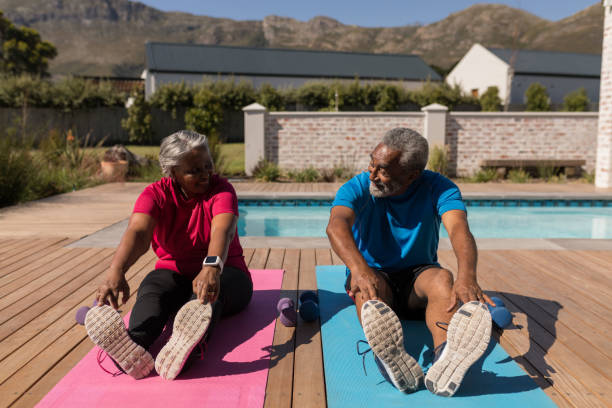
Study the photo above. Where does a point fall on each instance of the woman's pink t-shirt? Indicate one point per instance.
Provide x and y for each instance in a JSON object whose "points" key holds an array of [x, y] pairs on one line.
{"points": [[182, 233]]}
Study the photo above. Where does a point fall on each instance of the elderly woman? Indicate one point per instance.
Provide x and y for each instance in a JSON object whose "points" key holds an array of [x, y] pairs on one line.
{"points": [[189, 217]]}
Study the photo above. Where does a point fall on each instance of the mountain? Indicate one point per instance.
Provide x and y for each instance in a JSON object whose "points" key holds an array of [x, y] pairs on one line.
{"points": [[106, 37]]}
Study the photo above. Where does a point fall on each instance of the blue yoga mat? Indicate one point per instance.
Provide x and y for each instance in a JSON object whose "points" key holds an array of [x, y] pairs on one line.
{"points": [[493, 381]]}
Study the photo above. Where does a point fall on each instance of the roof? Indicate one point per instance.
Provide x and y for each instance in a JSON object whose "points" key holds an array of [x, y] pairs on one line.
{"points": [[552, 63], [214, 59]]}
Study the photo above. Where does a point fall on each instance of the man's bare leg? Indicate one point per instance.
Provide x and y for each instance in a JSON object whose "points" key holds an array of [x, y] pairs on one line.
{"points": [[432, 290]]}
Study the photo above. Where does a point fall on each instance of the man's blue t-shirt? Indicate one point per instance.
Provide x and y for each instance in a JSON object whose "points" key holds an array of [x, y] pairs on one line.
{"points": [[395, 233]]}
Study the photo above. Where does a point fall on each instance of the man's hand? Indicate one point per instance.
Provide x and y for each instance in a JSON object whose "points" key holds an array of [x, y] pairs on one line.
{"points": [[364, 282], [207, 284], [109, 291], [466, 290]]}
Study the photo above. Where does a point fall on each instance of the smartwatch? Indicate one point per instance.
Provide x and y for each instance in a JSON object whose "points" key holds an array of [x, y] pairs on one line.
{"points": [[213, 261]]}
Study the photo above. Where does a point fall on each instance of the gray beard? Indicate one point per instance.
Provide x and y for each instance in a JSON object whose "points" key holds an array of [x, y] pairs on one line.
{"points": [[384, 190]]}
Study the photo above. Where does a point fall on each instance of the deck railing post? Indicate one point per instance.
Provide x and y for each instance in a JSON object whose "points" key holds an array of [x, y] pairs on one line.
{"points": [[254, 136], [603, 168], [435, 124]]}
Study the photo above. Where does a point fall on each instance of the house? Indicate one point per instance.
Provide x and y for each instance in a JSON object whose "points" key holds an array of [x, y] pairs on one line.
{"points": [[167, 63], [512, 71]]}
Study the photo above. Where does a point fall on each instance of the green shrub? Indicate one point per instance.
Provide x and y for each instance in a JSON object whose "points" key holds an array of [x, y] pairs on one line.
{"points": [[148, 172], [388, 99], [548, 173], [518, 176], [138, 122], [313, 96], [576, 101], [537, 98], [442, 93], [438, 160], [588, 177], [271, 98], [171, 97], [490, 101], [266, 171], [16, 171], [307, 175], [339, 172], [485, 175]]}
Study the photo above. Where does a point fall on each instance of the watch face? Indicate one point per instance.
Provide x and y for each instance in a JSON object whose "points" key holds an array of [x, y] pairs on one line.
{"points": [[210, 260]]}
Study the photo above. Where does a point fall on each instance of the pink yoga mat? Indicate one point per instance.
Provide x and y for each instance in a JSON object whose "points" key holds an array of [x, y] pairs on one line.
{"points": [[233, 372]]}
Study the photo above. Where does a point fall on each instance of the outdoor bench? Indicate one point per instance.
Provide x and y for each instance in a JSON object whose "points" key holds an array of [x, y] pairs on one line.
{"points": [[571, 167]]}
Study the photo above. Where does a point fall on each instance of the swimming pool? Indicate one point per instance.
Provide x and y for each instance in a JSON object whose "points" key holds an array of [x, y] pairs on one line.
{"points": [[488, 219]]}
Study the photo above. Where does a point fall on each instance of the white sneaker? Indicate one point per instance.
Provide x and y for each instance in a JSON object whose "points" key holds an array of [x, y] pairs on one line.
{"points": [[190, 325], [383, 331], [469, 332], [106, 329]]}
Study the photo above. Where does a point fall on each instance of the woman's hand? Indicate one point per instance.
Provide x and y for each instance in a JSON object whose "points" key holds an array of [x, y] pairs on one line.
{"points": [[207, 284], [114, 284]]}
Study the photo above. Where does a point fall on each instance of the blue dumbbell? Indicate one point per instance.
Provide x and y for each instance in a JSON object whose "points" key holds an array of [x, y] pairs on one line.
{"points": [[309, 306], [82, 312], [501, 316]]}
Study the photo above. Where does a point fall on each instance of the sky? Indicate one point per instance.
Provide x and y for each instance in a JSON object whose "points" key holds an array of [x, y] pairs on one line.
{"points": [[365, 13]]}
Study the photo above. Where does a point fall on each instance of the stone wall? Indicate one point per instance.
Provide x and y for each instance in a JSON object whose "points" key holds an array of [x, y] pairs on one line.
{"points": [[473, 137], [327, 139]]}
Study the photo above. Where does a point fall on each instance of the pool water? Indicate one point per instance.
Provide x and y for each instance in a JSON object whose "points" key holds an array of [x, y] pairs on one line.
{"points": [[485, 222]]}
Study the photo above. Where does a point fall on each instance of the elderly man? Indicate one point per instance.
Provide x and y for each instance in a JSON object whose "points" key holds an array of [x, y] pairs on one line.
{"points": [[385, 225]]}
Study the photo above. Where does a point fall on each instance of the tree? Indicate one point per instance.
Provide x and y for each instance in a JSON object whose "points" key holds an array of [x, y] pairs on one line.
{"points": [[537, 98], [576, 101], [23, 51], [490, 101]]}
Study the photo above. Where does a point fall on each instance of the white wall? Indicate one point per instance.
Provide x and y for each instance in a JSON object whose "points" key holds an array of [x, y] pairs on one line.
{"points": [[480, 69], [155, 80]]}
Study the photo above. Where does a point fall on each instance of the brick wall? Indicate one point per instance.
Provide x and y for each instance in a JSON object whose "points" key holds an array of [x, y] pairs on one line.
{"points": [[604, 139], [473, 137], [324, 139]]}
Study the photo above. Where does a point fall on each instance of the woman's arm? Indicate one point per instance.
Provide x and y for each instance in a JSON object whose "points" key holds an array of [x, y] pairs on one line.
{"points": [[222, 230], [134, 243]]}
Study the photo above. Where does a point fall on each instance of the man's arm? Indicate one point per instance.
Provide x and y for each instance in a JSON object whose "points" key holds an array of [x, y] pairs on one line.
{"points": [[466, 288], [342, 242]]}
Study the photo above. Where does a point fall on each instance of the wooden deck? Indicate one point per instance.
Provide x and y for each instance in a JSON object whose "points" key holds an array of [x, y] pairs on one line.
{"points": [[561, 302]]}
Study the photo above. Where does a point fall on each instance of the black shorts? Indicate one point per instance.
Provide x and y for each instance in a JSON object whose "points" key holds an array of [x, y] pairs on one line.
{"points": [[401, 284]]}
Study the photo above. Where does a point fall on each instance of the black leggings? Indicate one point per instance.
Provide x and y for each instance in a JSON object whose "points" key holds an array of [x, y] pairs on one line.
{"points": [[162, 293]]}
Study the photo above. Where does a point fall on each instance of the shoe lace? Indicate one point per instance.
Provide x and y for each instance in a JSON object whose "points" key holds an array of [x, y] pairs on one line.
{"points": [[202, 347], [100, 358], [363, 353], [441, 325]]}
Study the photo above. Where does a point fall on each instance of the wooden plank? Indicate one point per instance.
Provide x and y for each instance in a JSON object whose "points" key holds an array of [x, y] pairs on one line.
{"points": [[543, 351], [279, 388], [574, 274], [539, 285], [323, 256], [51, 318], [28, 375], [259, 258], [48, 381], [37, 287], [19, 300], [18, 250], [336, 259], [36, 269], [275, 258], [309, 385], [34, 261], [248, 254]]}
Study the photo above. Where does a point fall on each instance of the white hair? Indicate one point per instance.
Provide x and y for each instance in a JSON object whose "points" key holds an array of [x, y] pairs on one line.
{"points": [[176, 146], [413, 146]]}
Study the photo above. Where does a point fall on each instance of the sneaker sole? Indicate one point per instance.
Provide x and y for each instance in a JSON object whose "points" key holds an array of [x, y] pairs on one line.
{"points": [[384, 333], [107, 330], [468, 337], [190, 325]]}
